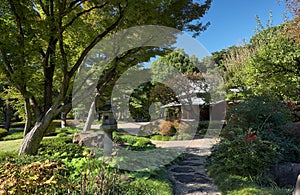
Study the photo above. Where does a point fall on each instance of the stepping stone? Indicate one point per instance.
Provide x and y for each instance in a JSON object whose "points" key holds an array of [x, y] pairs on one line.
{"points": [[191, 179], [190, 163], [191, 157], [182, 170], [196, 190]]}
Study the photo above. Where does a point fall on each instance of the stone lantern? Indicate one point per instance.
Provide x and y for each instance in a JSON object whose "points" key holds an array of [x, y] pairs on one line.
{"points": [[109, 124]]}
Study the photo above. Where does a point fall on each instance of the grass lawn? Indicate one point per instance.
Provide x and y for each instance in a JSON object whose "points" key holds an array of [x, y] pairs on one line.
{"points": [[10, 146]]}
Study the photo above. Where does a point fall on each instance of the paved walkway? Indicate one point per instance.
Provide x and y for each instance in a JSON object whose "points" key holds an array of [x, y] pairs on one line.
{"points": [[189, 176]]}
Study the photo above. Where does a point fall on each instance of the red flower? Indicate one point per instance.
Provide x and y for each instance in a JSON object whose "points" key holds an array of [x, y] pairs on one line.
{"points": [[250, 137]]}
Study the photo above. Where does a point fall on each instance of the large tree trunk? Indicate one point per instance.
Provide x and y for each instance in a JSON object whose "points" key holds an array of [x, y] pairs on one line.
{"points": [[31, 141], [28, 117], [48, 85], [90, 118], [7, 115]]}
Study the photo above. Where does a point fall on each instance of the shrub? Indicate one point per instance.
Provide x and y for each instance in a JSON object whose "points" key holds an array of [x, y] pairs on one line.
{"points": [[261, 114], [3, 133], [182, 136], [145, 187], [60, 147], [119, 140], [147, 182], [141, 143], [264, 117], [167, 128], [61, 132], [13, 136], [161, 137], [91, 175], [129, 139], [18, 124], [252, 141], [242, 158], [35, 178], [4, 156], [202, 127]]}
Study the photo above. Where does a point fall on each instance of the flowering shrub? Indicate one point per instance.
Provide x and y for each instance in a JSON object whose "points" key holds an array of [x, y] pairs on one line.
{"points": [[250, 137], [253, 140], [295, 110]]}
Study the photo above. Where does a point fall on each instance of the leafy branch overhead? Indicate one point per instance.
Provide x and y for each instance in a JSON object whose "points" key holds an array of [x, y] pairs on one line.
{"points": [[43, 43]]}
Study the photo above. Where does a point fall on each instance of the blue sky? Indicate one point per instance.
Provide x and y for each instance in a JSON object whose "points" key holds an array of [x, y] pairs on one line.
{"points": [[232, 21]]}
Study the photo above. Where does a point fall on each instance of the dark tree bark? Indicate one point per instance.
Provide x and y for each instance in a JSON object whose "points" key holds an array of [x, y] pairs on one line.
{"points": [[28, 116], [7, 115]]}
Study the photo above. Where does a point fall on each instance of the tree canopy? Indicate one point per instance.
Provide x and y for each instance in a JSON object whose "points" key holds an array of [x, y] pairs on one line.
{"points": [[43, 43], [269, 64]]}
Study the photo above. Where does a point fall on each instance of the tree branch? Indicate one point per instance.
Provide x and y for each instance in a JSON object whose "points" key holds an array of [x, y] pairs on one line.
{"points": [[36, 109], [75, 4], [21, 36], [43, 8], [60, 38], [94, 42], [9, 68], [80, 14]]}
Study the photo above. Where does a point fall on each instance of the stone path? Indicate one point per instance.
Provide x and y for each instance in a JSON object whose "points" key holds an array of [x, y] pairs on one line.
{"points": [[189, 176]]}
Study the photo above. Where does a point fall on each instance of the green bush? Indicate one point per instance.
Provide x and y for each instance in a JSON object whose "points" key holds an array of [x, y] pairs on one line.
{"points": [[142, 142], [60, 147], [202, 127], [252, 141], [257, 190], [4, 156], [147, 182], [238, 157], [145, 187], [135, 140], [68, 170], [18, 124], [264, 115], [137, 143], [161, 137], [182, 136], [3, 133], [60, 132], [129, 139], [91, 175], [13, 136]]}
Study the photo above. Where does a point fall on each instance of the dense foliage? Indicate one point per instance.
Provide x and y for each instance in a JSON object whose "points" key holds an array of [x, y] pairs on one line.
{"points": [[268, 65], [3, 133], [43, 44], [254, 139], [62, 167]]}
